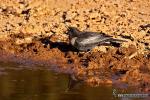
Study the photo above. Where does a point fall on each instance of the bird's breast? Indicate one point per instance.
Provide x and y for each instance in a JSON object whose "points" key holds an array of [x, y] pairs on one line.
{"points": [[73, 40]]}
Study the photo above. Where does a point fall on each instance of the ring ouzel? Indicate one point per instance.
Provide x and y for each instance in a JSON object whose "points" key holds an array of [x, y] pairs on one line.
{"points": [[85, 41]]}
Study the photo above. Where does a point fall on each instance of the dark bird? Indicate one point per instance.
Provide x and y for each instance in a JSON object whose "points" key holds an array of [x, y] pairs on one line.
{"points": [[85, 41]]}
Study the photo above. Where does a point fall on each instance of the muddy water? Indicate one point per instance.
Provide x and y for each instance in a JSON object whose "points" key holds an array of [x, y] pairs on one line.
{"points": [[18, 82]]}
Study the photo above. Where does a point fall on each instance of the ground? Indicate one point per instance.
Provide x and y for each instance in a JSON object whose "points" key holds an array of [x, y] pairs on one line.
{"points": [[33, 32]]}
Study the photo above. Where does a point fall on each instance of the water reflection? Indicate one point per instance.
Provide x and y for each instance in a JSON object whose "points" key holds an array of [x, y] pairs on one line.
{"points": [[41, 84]]}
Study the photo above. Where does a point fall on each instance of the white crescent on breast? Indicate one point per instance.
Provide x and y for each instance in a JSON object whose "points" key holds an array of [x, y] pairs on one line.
{"points": [[73, 40]]}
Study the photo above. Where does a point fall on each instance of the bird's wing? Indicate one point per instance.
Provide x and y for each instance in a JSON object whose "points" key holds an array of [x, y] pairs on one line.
{"points": [[91, 34], [91, 38]]}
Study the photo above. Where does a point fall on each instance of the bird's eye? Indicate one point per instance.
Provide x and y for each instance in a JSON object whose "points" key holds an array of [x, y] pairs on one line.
{"points": [[71, 31]]}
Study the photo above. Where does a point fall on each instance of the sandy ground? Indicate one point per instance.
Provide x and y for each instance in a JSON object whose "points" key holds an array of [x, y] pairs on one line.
{"points": [[26, 27]]}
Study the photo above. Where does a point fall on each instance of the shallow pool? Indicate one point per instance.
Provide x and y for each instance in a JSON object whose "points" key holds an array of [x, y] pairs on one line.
{"points": [[23, 82]]}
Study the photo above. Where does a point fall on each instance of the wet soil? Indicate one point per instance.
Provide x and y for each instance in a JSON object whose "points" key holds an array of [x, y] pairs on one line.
{"points": [[26, 37], [115, 66]]}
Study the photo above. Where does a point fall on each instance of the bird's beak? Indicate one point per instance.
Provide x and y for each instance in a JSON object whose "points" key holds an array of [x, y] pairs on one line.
{"points": [[67, 27]]}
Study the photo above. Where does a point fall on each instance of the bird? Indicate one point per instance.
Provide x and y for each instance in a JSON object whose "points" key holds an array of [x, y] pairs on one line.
{"points": [[86, 41]]}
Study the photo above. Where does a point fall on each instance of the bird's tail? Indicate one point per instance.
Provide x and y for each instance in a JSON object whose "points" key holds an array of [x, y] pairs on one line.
{"points": [[116, 40], [111, 41]]}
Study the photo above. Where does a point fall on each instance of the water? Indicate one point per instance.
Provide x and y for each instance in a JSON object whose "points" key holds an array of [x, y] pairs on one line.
{"points": [[18, 82]]}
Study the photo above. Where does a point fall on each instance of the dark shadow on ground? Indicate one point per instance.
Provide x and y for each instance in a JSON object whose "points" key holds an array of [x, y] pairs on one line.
{"points": [[62, 46]]}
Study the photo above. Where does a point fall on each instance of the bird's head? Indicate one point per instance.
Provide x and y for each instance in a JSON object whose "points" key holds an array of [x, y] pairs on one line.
{"points": [[73, 32]]}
